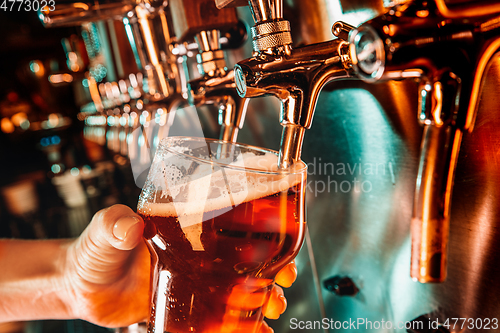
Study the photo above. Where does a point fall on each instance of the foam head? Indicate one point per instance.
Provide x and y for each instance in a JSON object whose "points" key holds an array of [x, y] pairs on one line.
{"points": [[184, 186]]}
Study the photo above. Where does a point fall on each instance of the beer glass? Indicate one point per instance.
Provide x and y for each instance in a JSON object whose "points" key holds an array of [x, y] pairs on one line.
{"points": [[220, 221]]}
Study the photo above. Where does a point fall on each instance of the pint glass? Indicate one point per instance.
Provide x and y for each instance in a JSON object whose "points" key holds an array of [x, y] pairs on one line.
{"points": [[220, 221]]}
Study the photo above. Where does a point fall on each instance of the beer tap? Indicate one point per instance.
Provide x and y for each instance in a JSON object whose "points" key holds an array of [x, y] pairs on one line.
{"points": [[152, 37], [147, 31], [294, 75], [216, 85], [152, 47], [447, 51]]}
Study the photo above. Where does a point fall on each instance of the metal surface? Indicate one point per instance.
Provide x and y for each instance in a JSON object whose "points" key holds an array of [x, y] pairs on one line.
{"points": [[271, 34], [216, 85], [153, 41], [366, 234], [449, 58], [141, 41]]}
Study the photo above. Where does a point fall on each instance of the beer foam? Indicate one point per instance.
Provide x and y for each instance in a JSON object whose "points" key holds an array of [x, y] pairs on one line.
{"points": [[211, 191], [221, 190]]}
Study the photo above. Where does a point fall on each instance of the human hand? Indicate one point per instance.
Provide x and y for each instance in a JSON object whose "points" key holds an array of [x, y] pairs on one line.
{"points": [[108, 272], [108, 269]]}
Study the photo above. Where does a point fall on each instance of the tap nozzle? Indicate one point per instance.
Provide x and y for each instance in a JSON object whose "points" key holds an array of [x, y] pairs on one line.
{"points": [[210, 59]]}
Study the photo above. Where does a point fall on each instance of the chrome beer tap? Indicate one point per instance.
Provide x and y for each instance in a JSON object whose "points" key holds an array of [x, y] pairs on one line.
{"points": [[147, 32], [447, 51], [216, 85], [294, 75], [155, 43]]}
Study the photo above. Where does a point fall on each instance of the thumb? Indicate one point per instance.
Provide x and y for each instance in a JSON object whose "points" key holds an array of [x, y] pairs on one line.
{"points": [[117, 226], [102, 250]]}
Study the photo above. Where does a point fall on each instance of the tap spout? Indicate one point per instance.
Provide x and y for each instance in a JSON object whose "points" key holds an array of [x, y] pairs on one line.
{"points": [[430, 223]]}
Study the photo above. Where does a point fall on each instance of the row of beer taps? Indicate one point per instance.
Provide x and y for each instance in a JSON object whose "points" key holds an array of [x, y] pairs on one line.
{"points": [[446, 50]]}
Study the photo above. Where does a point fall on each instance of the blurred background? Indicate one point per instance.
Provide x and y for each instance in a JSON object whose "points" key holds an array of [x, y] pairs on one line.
{"points": [[86, 96]]}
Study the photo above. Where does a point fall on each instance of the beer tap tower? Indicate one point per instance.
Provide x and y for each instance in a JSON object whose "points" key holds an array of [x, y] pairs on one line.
{"points": [[447, 52], [294, 75]]}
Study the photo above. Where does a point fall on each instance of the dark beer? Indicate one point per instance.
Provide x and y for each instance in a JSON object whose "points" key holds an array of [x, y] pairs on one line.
{"points": [[219, 281]]}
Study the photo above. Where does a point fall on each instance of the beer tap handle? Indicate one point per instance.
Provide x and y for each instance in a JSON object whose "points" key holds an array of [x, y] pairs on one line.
{"points": [[438, 109], [443, 129], [151, 37]]}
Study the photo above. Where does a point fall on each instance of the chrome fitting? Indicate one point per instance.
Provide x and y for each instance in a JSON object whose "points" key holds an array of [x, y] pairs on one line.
{"points": [[211, 61], [271, 34]]}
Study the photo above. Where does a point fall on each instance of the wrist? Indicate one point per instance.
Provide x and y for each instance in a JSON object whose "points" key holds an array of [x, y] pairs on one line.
{"points": [[33, 283], [64, 280]]}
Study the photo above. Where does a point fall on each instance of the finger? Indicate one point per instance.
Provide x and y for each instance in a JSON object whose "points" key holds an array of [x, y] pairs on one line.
{"points": [[249, 296], [265, 328], [103, 248], [287, 276], [117, 226], [276, 304]]}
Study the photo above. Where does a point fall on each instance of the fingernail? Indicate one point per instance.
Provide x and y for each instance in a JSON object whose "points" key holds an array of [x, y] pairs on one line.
{"points": [[123, 226]]}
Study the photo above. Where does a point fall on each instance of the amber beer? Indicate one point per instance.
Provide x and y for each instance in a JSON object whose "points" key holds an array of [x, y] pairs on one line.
{"points": [[216, 275]]}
